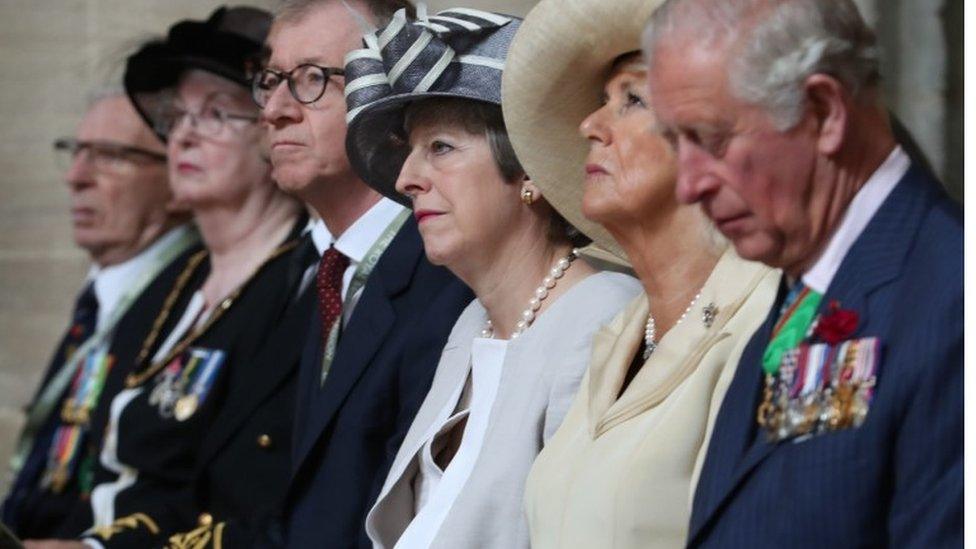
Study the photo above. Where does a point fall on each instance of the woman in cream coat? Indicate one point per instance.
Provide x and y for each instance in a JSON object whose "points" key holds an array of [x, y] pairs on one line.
{"points": [[621, 470], [517, 354]]}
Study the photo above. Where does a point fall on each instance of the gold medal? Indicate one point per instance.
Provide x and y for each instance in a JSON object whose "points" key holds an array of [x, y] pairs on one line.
{"points": [[185, 407], [59, 479], [82, 416], [68, 411]]}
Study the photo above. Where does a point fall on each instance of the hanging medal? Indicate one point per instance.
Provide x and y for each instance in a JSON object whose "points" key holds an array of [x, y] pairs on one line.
{"points": [[166, 392], [800, 308], [207, 364], [69, 437]]}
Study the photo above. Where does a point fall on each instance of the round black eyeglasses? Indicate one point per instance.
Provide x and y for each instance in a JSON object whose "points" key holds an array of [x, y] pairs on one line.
{"points": [[306, 82]]}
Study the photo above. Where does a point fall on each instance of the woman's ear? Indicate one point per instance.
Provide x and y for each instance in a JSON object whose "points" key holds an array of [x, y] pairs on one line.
{"points": [[529, 193]]}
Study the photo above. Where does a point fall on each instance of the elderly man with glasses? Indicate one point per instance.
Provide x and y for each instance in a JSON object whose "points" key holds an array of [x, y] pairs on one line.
{"points": [[138, 240], [384, 311]]}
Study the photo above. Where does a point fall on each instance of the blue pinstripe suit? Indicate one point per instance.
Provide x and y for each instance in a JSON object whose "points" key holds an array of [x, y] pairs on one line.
{"points": [[897, 479]]}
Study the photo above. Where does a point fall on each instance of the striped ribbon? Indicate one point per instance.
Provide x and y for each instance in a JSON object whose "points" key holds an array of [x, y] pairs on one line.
{"points": [[422, 46]]}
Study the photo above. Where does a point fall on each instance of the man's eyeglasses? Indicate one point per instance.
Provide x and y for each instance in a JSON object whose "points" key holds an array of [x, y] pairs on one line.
{"points": [[210, 121], [106, 156], [305, 82]]}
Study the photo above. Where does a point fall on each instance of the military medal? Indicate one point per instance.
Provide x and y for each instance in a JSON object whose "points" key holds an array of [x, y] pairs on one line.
{"points": [[185, 407], [797, 316], [69, 437], [59, 479], [817, 387], [166, 392], [195, 381]]}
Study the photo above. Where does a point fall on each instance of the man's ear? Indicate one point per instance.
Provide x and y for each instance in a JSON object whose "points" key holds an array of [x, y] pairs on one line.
{"points": [[831, 105]]}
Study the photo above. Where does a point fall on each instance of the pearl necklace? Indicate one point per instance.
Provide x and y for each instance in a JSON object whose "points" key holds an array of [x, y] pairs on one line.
{"points": [[650, 329], [540, 294]]}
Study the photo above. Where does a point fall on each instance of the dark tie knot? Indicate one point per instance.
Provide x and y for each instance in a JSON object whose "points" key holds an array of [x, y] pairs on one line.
{"points": [[85, 314], [334, 264]]}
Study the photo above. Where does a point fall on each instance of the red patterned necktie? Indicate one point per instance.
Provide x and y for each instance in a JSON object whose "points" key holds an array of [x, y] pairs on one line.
{"points": [[329, 285]]}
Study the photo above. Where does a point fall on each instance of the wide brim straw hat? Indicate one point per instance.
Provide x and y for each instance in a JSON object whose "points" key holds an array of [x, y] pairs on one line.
{"points": [[230, 44], [554, 77], [457, 53]]}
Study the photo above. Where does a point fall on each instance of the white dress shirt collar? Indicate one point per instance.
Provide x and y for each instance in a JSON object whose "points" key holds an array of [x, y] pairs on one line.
{"points": [[361, 235], [861, 210], [112, 282]]}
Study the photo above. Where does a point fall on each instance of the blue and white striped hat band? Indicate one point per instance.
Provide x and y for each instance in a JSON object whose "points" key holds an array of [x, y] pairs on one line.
{"points": [[459, 52], [412, 56]]}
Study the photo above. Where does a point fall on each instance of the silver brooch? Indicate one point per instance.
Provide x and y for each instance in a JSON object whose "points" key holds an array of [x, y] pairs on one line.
{"points": [[708, 314]]}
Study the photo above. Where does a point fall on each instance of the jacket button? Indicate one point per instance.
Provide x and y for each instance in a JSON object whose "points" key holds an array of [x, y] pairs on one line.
{"points": [[264, 441], [205, 519]]}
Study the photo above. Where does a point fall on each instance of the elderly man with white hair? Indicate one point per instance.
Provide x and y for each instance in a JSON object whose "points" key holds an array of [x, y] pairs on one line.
{"points": [[843, 424], [124, 217]]}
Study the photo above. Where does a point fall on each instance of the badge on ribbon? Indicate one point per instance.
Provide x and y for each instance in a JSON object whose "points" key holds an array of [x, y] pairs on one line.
{"points": [[816, 379], [184, 384], [71, 435]]}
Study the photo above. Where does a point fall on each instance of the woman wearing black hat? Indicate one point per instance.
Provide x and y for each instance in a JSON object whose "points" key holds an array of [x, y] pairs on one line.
{"points": [[425, 128], [173, 454]]}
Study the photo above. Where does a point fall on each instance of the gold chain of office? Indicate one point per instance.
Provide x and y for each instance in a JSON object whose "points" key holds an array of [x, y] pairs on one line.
{"points": [[137, 378]]}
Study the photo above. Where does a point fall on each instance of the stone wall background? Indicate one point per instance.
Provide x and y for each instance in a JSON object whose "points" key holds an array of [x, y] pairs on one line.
{"points": [[53, 52]]}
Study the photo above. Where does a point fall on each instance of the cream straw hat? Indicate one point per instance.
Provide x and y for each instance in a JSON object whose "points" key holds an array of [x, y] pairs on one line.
{"points": [[554, 76]]}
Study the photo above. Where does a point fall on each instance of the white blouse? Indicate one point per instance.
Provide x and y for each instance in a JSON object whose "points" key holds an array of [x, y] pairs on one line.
{"points": [[436, 489]]}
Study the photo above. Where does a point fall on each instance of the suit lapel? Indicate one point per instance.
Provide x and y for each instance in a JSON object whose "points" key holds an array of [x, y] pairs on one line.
{"points": [[308, 386], [364, 335], [734, 427], [263, 376], [876, 257]]}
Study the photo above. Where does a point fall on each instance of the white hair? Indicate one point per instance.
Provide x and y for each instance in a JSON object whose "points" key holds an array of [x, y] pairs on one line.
{"points": [[774, 46], [109, 91]]}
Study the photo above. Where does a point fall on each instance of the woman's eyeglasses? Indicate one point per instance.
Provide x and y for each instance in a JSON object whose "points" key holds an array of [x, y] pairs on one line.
{"points": [[210, 121]]}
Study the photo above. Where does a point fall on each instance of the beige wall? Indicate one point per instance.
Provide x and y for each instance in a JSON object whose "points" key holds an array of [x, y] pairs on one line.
{"points": [[53, 51]]}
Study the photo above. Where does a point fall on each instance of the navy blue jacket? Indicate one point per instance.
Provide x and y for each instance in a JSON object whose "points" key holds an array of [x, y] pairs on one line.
{"points": [[35, 513], [349, 429], [897, 480]]}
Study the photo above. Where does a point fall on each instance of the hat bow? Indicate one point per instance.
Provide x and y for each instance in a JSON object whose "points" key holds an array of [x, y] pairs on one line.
{"points": [[411, 56]]}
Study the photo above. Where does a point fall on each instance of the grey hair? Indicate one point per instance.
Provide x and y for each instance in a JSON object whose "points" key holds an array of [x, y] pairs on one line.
{"points": [[100, 94], [774, 46]]}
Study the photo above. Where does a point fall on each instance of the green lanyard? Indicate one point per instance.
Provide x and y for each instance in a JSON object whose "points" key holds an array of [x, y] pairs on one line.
{"points": [[51, 394], [365, 267]]}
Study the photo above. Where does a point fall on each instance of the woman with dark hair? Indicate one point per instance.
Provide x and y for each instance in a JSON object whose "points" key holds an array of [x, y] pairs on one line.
{"points": [[199, 432], [433, 137]]}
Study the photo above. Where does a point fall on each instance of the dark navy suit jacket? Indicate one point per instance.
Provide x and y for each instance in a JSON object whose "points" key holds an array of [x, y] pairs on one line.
{"points": [[349, 429], [897, 480], [35, 513]]}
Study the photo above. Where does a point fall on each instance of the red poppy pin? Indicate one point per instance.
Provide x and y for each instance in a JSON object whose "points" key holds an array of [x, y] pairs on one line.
{"points": [[837, 324]]}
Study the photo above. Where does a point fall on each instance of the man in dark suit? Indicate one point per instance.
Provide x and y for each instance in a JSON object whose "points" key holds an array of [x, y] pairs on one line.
{"points": [[122, 217], [383, 312], [842, 426]]}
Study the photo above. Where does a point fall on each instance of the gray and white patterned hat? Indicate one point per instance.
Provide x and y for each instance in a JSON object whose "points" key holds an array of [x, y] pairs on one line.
{"points": [[459, 52]]}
